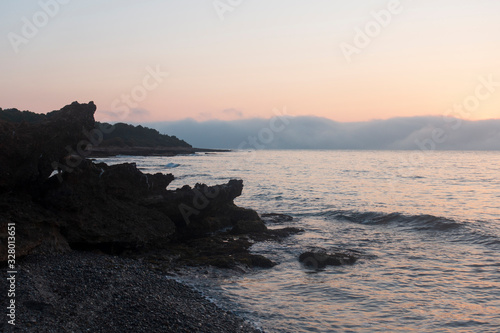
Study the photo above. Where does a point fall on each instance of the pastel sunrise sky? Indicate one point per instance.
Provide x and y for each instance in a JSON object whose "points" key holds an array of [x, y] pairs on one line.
{"points": [[240, 59]]}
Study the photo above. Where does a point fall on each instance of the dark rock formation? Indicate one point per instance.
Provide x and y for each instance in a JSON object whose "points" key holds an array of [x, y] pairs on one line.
{"points": [[120, 207], [320, 259], [206, 209], [115, 209], [29, 151], [101, 207], [221, 251]]}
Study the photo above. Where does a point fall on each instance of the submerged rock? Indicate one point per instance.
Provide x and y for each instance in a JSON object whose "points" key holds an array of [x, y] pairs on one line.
{"points": [[276, 218], [318, 259]]}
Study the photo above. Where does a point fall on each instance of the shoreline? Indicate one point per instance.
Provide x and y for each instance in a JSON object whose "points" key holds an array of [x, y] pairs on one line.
{"points": [[94, 242], [95, 292], [110, 151]]}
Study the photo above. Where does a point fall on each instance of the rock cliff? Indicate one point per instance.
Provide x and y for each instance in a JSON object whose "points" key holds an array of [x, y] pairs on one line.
{"points": [[59, 200]]}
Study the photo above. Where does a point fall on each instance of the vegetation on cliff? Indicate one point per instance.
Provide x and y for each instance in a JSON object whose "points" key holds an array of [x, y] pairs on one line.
{"points": [[122, 135], [139, 136]]}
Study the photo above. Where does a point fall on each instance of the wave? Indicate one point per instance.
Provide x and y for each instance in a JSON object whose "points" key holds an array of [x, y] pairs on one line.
{"points": [[172, 165], [420, 222], [477, 232]]}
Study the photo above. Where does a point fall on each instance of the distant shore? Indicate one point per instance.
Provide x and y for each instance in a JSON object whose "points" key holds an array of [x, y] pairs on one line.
{"points": [[109, 151]]}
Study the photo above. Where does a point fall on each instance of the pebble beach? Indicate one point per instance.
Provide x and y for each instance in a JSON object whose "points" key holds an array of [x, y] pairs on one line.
{"points": [[90, 292]]}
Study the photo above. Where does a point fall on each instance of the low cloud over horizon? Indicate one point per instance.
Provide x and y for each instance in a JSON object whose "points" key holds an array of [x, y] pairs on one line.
{"points": [[309, 132]]}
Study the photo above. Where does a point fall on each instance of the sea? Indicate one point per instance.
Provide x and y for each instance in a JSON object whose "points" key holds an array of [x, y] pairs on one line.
{"points": [[427, 224]]}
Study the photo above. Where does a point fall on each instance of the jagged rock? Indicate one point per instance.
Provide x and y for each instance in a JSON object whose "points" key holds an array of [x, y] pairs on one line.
{"points": [[248, 226], [206, 209], [114, 208], [101, 207], [120, 206], [28, 151]]}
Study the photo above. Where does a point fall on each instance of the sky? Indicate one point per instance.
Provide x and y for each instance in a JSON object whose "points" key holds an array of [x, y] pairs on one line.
{"points": [[165, 60]]}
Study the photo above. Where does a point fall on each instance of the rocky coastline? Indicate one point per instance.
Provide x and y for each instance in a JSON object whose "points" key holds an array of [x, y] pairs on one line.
{"points": [[94, 242], [110, 151]]}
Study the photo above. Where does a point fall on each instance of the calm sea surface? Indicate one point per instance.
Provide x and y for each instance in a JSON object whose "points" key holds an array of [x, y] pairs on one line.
{"points": [[429, 223]]}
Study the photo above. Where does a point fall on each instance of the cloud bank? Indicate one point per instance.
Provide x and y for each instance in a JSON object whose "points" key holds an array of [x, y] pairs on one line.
{"points": [[305, 132]]}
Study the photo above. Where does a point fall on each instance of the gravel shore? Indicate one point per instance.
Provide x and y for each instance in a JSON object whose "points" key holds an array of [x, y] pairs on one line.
{"points": [[87, 292]]}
